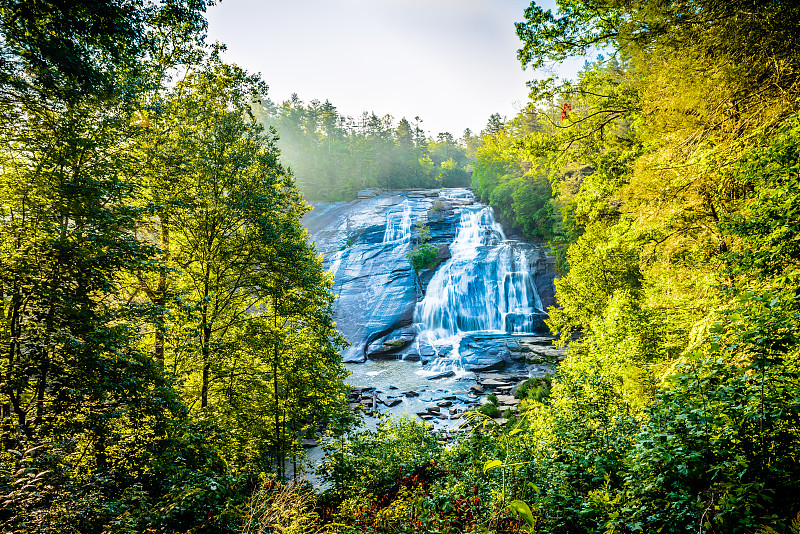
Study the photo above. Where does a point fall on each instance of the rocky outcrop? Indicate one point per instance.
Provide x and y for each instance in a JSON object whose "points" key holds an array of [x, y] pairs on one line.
{"points": [[376, 295]]}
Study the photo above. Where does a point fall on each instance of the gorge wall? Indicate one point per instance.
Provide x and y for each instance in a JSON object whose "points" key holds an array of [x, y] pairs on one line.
{"points": [[469, 312]]}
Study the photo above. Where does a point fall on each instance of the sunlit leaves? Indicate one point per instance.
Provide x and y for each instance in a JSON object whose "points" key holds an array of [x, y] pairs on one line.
{"points": [[491, 464]]}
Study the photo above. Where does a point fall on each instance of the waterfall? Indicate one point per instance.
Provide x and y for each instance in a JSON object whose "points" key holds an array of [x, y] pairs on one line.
{"points": [[398, 224], [486, 286]]}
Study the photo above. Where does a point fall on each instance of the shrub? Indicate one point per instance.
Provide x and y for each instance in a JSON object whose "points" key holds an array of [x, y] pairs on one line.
{"points": [[423, 257], [280, 508], [721, 444], [490, 410], [372, 461], [536, 389]]}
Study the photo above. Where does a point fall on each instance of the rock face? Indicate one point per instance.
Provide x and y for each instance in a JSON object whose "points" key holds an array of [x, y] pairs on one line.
{"points": [[375, 284], [364, 244]]}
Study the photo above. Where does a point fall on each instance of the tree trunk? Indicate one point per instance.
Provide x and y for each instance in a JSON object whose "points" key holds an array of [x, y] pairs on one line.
{"points": [[161, 295], [206, 356], [278, 443]]}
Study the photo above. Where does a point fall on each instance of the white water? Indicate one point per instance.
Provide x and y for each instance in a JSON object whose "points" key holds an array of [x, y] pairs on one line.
{"points": [[336, 262], [398, 224], [486, 286]]}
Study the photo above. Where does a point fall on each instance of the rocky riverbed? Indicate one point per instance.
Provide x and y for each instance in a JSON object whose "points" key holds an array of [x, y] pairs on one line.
{"points": [[402, 387]]}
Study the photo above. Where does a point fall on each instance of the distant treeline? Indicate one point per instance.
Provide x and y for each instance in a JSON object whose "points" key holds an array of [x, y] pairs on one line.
{"points": [[333, 156]]}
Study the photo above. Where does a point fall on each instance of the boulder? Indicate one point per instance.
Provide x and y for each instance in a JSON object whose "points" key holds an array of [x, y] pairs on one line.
{"points": [[507, 400], [482, 365], [494, 382], [391, 346], [422, 352], [546, 351], [435, 216], [443, 374], [484, 353]]}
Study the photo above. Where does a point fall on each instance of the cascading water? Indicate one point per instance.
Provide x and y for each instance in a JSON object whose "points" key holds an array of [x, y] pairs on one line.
{"points": [[485, 287], [398, 224]]}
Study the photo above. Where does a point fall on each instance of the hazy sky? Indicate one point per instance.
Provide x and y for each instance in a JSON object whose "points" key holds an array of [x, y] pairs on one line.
{"points": [[450, 62]]}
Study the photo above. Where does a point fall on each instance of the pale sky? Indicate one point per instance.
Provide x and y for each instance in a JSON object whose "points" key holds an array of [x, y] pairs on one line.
{"points": [[450, 62]]}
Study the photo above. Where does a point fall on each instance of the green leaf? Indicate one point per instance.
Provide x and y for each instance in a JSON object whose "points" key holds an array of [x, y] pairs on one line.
{"points": [[491, 464], [522, 510]]}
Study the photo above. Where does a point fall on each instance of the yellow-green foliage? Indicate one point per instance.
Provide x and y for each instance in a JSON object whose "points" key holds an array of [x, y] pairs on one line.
{"points": [[401, 510], [283, 509], [678, 179], [371, 462]]}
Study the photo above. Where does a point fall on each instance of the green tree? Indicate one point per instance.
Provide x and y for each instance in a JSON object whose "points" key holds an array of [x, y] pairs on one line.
{"points": [[236, 266], [516, 183], [370, 462], [142, 221], [495, 124], [423, 256]]}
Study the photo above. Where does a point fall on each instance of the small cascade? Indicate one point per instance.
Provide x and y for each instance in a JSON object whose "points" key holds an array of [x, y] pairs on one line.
{"points": [[398, 224], [335, 262], [486, 286]]}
